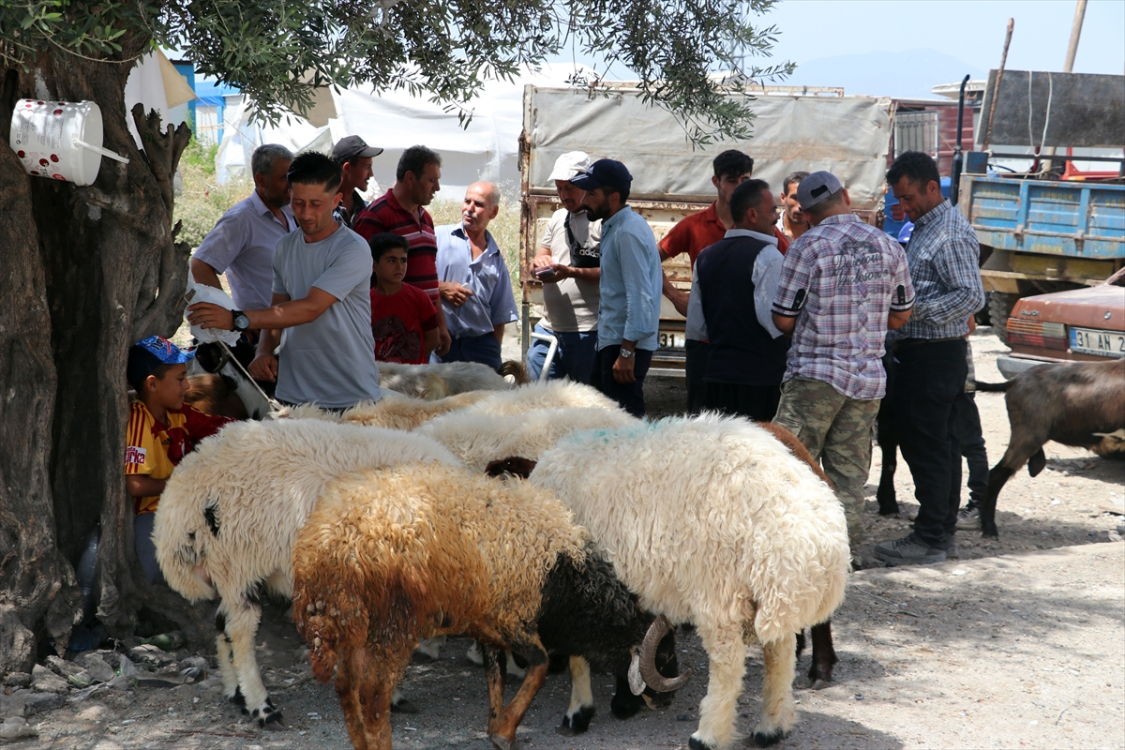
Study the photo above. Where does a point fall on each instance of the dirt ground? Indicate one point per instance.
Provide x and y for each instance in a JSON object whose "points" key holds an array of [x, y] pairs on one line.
{"points": [[1020, 643]]}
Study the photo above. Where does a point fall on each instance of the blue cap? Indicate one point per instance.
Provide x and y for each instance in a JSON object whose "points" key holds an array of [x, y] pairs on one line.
{"points": [[603, 173], [146, 355]]}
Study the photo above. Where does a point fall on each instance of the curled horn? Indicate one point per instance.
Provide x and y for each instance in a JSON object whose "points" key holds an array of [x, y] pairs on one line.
{"points": [[649, 673]]}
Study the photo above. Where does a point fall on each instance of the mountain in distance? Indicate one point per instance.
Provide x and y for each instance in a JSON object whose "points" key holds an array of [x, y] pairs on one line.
{"points": [[901, 75]]}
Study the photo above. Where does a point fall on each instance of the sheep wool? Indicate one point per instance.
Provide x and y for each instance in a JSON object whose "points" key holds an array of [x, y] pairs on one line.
{"points": [[229, 516], [476, 439], [713, 521], [391, 557]]}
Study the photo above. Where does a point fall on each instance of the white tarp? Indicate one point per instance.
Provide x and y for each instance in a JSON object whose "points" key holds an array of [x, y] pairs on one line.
{"points": [[488, 149], [849, 136], [155, 83]]}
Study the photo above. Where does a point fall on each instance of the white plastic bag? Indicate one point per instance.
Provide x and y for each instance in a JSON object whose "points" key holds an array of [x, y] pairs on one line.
{"points": [[203, 293]]}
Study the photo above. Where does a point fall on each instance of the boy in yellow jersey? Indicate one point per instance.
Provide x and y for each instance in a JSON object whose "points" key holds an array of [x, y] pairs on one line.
{"points": [[162, 430]]}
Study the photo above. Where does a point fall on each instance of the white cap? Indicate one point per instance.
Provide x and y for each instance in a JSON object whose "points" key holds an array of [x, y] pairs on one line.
{"points": [[570, 164]]}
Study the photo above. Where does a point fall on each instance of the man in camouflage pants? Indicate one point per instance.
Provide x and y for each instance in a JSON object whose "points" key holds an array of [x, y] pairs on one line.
{"points": [[843, 284]]}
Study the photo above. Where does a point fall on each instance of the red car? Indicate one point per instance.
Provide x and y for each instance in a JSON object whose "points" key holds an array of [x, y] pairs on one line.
{"points": [[1078, 325]]}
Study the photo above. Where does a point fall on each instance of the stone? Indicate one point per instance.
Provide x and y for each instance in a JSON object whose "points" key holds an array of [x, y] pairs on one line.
{"points": [[17, 680], [98, 669], [14, 704], [15, 727], [62, 667], [44, 680], [37, 703]]}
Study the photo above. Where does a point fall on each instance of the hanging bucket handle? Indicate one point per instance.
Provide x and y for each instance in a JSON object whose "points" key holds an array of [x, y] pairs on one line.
{"points": [[104, 152]]}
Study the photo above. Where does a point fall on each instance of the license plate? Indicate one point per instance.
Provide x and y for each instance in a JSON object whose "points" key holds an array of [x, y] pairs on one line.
{"points": [[671, 339], [1104, 343]]}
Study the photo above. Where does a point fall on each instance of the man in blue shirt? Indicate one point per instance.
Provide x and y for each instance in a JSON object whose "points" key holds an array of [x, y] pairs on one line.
{"points": [[476, 291], [631, 284]]}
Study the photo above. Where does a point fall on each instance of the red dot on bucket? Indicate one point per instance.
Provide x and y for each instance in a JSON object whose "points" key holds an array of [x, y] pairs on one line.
{"points": [[58, 112], [54, 157], [44, 162], [34, 172], [20, 154], [59, 177], [40, 102]]}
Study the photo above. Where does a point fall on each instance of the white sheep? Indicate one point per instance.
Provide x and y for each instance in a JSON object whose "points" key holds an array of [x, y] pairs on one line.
{"points": [[434, 381], [410, 413], [230, 514], [712, 521], [478, 439]]}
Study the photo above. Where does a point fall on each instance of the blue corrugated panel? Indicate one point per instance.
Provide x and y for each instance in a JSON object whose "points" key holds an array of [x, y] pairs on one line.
{"points": [[1078, 219]]}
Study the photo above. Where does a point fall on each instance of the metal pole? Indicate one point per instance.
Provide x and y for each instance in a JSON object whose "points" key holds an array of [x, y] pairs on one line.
{"points": [[958, 158], [996, 90]]}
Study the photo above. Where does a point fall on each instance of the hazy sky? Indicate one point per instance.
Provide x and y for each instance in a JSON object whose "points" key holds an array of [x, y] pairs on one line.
{"points": [[971, 30]]}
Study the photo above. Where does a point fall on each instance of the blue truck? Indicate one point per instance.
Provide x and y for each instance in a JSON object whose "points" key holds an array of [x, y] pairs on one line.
{"points": [[1042, 236]]}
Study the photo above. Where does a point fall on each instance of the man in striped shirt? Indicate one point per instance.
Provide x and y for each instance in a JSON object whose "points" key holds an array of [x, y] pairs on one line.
{"points": [[929, 357], [402, 211]]}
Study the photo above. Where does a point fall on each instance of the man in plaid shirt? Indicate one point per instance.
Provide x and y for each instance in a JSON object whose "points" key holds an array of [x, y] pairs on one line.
{"points": [[929, 357], [843, 284]]}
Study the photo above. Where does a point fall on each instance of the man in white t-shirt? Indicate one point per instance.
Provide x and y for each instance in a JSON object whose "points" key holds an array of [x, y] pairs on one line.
{"points": [[568, 265]]}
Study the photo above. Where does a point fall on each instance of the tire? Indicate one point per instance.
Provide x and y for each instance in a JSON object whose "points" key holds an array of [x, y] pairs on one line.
{"points": [[1000, 306]]}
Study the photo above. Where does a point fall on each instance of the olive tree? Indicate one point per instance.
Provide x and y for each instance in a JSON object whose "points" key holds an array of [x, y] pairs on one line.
{"points": [[87, 271]]}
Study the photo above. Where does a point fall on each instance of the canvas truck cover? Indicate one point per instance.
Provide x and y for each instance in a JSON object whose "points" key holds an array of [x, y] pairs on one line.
{"points": [[848, 136]]}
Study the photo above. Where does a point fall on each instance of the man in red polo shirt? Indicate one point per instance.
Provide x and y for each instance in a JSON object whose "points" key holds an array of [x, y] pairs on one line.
{"points": [[402, 211], [691, 235]]}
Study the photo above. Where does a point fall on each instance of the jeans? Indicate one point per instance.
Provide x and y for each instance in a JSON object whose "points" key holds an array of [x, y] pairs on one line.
{"points": [[574, 358], [146, 550], [929, 378], [484, 349], [631, 396]]}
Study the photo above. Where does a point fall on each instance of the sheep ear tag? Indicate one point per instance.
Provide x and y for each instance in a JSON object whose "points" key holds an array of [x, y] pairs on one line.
{"points": [[636, 682]]}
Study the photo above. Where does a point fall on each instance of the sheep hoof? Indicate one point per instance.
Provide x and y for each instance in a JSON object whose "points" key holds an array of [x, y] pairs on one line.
{"points": [[580, 721], [501, 742], [765, 739], [239, 699], [267, 716], [694, 744], [989, 531], [403, 707], [819, 683]]}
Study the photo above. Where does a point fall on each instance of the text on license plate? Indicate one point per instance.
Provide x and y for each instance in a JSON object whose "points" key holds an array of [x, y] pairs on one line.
{"points": [[671, 339], [1105, 343]]}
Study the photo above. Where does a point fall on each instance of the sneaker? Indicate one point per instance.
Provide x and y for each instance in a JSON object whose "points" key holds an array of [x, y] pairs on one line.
{"points": [[951, 552], [908, 551], [968, 517]]}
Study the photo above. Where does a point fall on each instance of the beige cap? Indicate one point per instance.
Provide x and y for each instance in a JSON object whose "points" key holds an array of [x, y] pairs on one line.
{"points": [[570, 164]]}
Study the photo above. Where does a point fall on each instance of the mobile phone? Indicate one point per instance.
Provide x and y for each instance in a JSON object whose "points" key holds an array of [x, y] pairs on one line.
{"points": [[545, 272]]}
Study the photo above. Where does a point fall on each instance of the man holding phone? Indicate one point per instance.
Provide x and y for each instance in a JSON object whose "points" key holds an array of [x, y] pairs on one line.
{"points": [[568, 264]]}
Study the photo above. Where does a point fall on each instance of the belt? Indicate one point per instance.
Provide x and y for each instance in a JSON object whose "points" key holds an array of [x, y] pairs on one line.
{"points": [[914, 342]]}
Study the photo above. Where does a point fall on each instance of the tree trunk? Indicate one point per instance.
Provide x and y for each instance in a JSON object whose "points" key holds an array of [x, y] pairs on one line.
{"points": [[90, 271]]}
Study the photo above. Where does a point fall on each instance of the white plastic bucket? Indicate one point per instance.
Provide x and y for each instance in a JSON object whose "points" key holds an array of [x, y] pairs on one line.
{"points": [[59, 140]]}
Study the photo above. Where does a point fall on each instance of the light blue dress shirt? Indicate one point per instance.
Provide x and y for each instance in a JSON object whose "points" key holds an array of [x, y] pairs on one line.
{"points": [[631, 282], [492, 303]]}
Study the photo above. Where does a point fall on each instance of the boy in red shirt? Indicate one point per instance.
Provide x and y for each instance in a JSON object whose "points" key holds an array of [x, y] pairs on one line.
{"points": [[162, 430], [403, 319]]}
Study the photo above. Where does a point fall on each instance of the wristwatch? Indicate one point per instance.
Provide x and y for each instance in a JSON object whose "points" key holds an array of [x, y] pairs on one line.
{"points": [[626, 353], [241, 322]]}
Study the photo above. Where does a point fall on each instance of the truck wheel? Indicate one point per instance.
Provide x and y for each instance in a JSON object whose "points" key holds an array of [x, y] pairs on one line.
{"points": [[1000, 306]]}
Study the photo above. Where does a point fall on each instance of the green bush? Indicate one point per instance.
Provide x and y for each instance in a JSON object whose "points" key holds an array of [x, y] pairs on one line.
{"points": [[203, 200]]}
